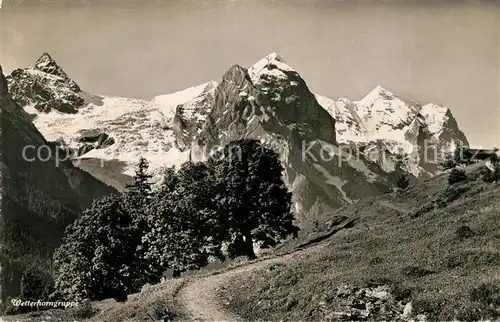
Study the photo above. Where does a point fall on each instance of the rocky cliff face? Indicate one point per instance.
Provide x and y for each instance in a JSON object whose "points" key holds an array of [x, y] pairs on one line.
{"points": [[272, 103], [39, 195], [335, 152], [46, 86]]}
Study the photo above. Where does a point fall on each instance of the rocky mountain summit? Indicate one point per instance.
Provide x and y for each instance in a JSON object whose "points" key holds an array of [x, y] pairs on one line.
{"points": [[334, 152], [46, 86]]}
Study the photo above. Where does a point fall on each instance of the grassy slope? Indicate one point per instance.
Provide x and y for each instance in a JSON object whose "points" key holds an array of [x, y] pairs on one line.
{"points": [[153, 303], [426, 260], [421, 258]]}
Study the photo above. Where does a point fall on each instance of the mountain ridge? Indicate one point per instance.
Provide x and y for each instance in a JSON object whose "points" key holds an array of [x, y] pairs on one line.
{"points": [[270, 102]]}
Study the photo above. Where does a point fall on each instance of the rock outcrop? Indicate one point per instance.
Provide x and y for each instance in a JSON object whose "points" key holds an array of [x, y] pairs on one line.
{"points": [[46, 86]]}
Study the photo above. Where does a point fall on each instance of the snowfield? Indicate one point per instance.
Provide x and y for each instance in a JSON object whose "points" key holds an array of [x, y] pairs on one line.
{"points": [[139, 127]]}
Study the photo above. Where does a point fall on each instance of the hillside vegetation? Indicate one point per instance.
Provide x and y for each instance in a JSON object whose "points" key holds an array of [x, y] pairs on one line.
{"points": [[40, 196], [428, 252]]}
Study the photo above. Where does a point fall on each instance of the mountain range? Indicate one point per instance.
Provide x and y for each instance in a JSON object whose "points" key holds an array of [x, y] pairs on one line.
{"points": [[334, 151]]}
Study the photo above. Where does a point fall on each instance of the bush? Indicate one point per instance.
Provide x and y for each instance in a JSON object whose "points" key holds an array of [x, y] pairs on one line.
{"points": [[36, 285], [415, 271], [183, 220], [450, 194], [429, 307], [97, 258], [159, 311], [423, 209], [83, 311], [457, 175], [487, 294], [464, 232], [448, 164], [100, 256], [376, 261], [403, 181]]}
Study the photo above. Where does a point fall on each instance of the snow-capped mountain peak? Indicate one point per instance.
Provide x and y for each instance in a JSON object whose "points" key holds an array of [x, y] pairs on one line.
{"points": [[44, 59], [383, 121], [46, 87], [436, 116], [271, 66], [45, 63], [378, 93]]}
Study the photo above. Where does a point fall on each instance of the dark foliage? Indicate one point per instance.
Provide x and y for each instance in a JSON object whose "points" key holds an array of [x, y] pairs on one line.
{"points": [[252, 198], [183, 225], [450, 194], [403, 181], [464, 232], [135, 201], [36, 285], [430, 308], [159, 311], [488, 294], [39, 198], [460, 156], [415, 271], [457, 175], [448, 163], [121, 243], [97, 257]]}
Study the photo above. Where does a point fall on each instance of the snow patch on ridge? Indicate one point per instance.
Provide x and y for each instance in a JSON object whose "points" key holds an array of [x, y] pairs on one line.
{"points": [[166, 104], [436, 116], [334, 181], [271, 65]]}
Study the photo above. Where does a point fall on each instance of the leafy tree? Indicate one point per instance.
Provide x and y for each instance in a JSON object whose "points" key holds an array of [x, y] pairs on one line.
{"points": [[449, 162], [170, 180], [96, 259], [138, 193], [184, 230], [253, 201]]}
